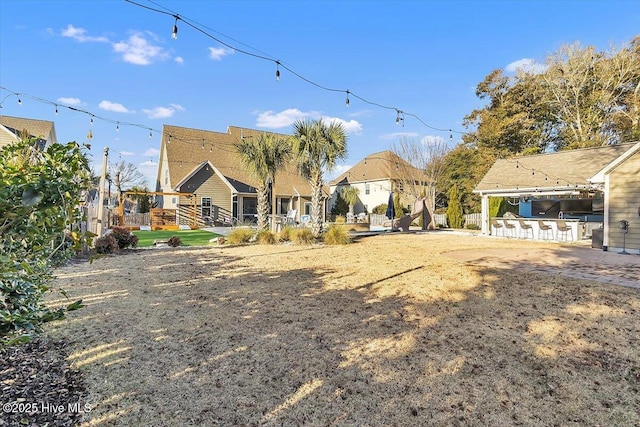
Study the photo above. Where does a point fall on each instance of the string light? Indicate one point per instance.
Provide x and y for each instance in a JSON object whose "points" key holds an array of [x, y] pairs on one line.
{"points": [[174, 33], [399, 117], [265, 57], [118, 127], [19, 101], [150, 134], [90, 135], [56, 110], [347, 101], [91, 120]]}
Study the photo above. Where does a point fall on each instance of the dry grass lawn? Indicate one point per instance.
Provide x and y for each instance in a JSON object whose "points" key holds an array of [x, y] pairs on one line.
{"points": [[388, 331]]}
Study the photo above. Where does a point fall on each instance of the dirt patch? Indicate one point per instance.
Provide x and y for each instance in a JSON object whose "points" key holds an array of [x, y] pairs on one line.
{"points": [[387, 331]]}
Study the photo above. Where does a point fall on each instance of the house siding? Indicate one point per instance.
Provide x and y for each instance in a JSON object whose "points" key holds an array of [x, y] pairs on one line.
{"points": [[205, 183], [624, 204]]}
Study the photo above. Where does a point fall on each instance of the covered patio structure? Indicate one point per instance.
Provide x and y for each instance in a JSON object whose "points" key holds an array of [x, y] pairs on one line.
{"points": [[561, 196]]}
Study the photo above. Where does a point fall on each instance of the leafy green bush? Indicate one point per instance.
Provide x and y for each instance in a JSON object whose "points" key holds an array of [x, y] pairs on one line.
{"points": [[336, 235], [174, 241], [106, 244], [380, 209], [302, 236], [124, 237], [39, 221], [266, 237], [240, 236]]}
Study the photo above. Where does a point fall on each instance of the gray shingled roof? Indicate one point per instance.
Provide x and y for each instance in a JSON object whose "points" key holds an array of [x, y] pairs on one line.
{"points": [[185, 152], [553, 171], [376, 166], [36, 128]]}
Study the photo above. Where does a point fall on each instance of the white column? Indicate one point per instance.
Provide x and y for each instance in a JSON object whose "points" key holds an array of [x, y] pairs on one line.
{"points": [[103, 178], [485, 215]]}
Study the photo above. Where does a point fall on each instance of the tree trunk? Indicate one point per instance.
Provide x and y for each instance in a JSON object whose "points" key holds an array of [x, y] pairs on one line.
{"points": [[263, 207], [316, 206]]}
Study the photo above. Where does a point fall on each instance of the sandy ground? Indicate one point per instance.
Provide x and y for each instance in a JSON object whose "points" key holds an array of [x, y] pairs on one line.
{"points": [[399, 329]]}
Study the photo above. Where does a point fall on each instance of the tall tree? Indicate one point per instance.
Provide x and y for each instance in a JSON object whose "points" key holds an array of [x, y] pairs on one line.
{"points": [[263, 156], [423, 168], [455, 218], [350, 195], [317, 146], [124, 175]]}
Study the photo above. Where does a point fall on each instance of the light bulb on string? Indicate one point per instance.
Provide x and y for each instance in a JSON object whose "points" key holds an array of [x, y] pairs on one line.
{"points": [[277, 71], [90, 135], [517, 164], [19, 101], [56, 110], [450, 135], [169, 142], [347, 101], [117, 126], [150, 134], [91, 120], [174, 33]]}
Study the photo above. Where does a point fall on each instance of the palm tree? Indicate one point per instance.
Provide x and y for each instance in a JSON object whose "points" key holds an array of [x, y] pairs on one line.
{"points": [[263, 157], [317, 146], [350, 195]]}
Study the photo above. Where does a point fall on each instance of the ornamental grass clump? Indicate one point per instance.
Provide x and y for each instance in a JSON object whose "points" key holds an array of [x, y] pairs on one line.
{"points": [[240, 236], [266, 237], [336, 235], [285, 234], [302, 236], [106, 244]]}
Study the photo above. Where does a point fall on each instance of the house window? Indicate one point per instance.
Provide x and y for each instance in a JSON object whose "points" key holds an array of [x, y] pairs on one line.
{"points": [[307, 208], [166, 176], [173, 200], [367, 188], [206, 206]]}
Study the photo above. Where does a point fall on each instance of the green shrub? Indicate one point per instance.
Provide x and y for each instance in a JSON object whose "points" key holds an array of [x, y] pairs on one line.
{"points": [[336, 235], [380, 209], [174, 241], [124, 237], [40, 191], [285, 234], [240, 235], [302, 236], [472, 227], [266, 237], [106, 244]]}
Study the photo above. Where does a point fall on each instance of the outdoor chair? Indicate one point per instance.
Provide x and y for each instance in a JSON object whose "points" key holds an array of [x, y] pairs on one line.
{"points": [[351, 218], [564, 228], [544, 230], [525, 228], [496, 226], [290, 219], [361, 217], [510, 229]]}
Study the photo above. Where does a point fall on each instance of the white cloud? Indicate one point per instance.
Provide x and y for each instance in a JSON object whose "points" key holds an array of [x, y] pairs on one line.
{"points": [[351, 126], [113, 106], [151, 152], [79, 34], [163, 112], [69, 101], [139, 51], [216, 53], [432, 140], [271, 120], [398, 135], [179, 60], [527, 65], [126, 153]]}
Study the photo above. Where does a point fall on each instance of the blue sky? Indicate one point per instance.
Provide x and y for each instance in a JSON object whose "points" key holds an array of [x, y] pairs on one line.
{"points": [[119, 61]]}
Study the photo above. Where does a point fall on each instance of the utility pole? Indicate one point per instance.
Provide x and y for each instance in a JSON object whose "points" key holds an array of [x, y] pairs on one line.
{"points": [[103, 178]]}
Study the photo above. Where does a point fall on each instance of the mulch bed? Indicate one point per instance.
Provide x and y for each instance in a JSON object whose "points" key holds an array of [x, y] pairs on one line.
{"points": [[38, 386]]}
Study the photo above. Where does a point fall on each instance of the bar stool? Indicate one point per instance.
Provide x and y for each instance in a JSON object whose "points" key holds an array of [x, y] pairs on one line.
{"points": [[543, 231], [510, 228], [496, 226], [563, 228], [526, 228]]}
